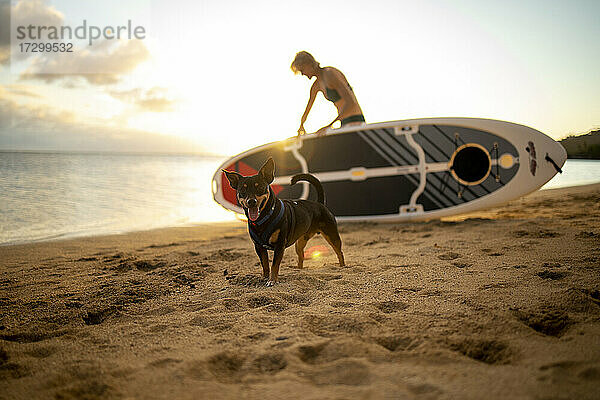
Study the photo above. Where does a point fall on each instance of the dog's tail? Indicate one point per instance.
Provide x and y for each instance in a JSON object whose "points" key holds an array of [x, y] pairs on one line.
{"points": [[314, 181]]}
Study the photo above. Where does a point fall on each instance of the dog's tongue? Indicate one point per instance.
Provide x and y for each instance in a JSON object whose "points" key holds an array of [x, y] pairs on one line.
{"points": [[253, 213]]}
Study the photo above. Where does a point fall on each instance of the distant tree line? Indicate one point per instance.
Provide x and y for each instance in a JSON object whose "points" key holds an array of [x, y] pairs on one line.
{"points": [[583, 146]]}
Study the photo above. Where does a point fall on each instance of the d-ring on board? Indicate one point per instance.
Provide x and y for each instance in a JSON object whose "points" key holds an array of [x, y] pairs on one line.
{"points": [[293, 146]]}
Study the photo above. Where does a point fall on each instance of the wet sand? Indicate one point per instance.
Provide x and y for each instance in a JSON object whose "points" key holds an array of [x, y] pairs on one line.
{"points": [[499, 304]]}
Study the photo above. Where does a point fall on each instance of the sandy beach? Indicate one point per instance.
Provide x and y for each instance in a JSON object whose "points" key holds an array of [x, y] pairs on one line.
{"points": [[501, 304]]}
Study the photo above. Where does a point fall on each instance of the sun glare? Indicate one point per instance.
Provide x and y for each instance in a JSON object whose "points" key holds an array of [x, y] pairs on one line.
{"points": [[316, 252]]}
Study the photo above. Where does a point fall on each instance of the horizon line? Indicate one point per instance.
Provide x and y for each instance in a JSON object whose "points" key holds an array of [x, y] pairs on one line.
{"points": [[118, 152]]}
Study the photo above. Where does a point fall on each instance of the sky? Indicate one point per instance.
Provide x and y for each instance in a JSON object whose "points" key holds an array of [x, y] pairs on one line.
{"points": [[214, 76]]}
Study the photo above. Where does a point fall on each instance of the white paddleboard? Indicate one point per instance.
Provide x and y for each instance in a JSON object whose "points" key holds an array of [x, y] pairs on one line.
{"points": [[406, 170]]}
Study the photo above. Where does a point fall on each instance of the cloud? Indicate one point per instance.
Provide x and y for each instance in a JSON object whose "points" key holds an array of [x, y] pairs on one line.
{"points": [[25, 12], [21, 90], [38, 127], [37, 12], [104, 64], [152, 100]]}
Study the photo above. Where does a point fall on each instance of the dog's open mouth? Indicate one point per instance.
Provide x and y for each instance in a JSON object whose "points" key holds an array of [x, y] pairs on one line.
{"points": [[253, 213]]}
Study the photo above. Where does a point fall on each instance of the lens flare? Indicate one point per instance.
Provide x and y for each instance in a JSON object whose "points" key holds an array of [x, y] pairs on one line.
{"points": [[316, 252]]}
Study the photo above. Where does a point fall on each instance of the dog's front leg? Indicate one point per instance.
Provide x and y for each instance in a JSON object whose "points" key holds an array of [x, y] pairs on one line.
{"points": [[264, 259], [277, 257]]}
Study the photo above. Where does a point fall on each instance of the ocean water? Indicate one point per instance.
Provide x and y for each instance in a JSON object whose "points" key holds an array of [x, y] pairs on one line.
{"points": [[58, 195], [575, 173]]}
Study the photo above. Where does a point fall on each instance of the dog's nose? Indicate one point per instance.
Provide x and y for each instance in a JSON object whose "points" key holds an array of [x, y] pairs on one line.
{"points": [[252, 203]]}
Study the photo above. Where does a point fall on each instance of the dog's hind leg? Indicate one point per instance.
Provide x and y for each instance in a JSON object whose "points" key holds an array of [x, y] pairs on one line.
{"points": [[300, 244], [330, 233]]}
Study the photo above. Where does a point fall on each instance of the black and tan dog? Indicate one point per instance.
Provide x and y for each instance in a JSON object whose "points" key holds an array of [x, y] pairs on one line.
{"points": [[276, 224]]}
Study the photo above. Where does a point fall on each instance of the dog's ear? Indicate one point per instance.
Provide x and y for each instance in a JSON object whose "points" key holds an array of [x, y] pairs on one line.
{"points": [[267, 171], [233, 178]]}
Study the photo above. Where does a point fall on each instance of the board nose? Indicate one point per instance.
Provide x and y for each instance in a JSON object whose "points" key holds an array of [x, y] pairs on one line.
{"points": [[562, 156]]}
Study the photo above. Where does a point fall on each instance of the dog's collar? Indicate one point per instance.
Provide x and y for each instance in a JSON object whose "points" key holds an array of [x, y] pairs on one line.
{"points": [[261, 235]]}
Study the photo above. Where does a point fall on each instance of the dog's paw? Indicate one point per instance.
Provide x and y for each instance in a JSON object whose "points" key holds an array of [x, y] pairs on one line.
{"points": [[271, 283]]}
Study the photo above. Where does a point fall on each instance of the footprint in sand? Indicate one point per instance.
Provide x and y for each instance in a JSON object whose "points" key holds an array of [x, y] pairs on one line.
{"points": [[310, 353], [333, 350], [535, 233], [94, 388], [397, 343], [96, 317], [116, 256], [266, 303], [462, 265], [389, 307], [552, 275], [212, 323], [87, 259], [484, 350], [587, 235], [569, 371], [492, 253], [259, 301], [11, 369], [424, 389], [551, 265], [33, 336], [546, 320], [341, 304], [226, 367], [342, 372], [234, 305], [164, 362], [449, 256], [402, 290], [229, 367], [258, 336], [40, 352], [146, 266], [162, 246], [578, 300], [182, 279], [269, 363], [248, 280]]}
